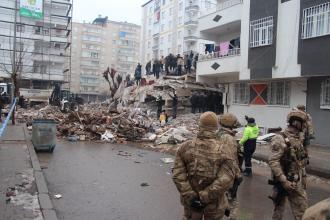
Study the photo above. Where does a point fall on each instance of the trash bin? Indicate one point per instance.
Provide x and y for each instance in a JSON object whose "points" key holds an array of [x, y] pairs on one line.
{"points": [[44, 134]]}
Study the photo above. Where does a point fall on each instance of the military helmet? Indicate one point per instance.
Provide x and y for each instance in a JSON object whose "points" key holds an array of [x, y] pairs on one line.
{"points": [[228, 120], [209, 121], [301, 107], [298, 115]]}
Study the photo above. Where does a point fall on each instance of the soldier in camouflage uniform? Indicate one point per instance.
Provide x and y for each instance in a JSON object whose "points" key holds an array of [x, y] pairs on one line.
{"points": [[287, 162], [226, 135], [309, 130], [203, 172]]}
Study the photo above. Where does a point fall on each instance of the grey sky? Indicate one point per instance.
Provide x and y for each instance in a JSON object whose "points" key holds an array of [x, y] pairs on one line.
{"points": [[116, 10]]}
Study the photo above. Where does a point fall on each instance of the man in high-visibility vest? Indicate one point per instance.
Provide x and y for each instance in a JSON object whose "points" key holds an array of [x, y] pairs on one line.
{"points": [[249, 141]]}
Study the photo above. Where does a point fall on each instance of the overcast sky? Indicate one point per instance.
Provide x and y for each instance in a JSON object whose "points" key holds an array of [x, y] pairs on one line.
{"points": [[116, 10]]}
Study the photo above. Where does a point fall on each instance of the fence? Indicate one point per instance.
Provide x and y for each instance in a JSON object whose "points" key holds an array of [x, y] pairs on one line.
{"points": [[4, 125]]}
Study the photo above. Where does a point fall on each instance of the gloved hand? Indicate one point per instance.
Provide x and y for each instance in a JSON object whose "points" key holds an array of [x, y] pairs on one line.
{"points": [[304, 182], [289, 186], [196, 204]]}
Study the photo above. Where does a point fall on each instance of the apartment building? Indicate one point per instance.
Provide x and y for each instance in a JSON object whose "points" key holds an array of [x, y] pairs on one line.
{"points": [[43, 43], [97, 46], [171, 26], [268, 57]]}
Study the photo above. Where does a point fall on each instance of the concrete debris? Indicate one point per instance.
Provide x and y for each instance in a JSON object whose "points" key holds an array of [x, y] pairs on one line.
{"points": [[58, 196], [167, 160]]}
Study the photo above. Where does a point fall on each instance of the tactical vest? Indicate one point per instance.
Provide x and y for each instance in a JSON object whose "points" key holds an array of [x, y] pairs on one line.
{"points": [[294, 159]]}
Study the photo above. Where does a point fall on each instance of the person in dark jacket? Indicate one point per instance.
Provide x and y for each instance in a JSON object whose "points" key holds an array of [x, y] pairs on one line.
{"points": [[159, 102], [193, 102], [175, 101], [138, 74], [148, 68], [156, 68], [195, 62]]}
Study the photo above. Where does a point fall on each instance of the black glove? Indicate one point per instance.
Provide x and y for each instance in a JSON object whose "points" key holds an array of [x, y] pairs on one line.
{"points": [[196, 204], [227, 212]]}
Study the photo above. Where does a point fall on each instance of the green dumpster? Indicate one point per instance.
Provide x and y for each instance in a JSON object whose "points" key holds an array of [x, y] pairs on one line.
{"points": [[44, 134]]}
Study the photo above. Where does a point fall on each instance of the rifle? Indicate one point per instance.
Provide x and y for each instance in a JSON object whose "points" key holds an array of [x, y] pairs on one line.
{"points": [[233, 190], [280, 191]]}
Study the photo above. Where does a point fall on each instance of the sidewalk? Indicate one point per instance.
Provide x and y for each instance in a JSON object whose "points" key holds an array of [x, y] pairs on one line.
{"points": [[319, 159], [23, 190]]}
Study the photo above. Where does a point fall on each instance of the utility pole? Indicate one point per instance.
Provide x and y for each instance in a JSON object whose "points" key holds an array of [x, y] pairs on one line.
{"points": [[14, 72]]}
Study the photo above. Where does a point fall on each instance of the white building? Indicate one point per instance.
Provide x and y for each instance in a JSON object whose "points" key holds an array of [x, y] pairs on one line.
{"points": [[97, 46], [43, 45], [269, 57], [170, 26]]}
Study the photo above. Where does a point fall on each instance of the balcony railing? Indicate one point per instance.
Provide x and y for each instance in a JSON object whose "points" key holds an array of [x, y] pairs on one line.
{"points": [[220, 54], [221, 6]]}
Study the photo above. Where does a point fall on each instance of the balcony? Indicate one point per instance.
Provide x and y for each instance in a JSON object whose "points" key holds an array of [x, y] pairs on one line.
{"points": [[219, 63], [191, 38], [191, 22], [192, 8], [225, 14]]}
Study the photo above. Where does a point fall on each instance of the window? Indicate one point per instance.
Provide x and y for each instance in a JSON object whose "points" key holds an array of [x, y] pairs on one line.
{"points": [[180, 6], [261, 32], [94, 55], [179, 34], [171, 11], [180, 20], [20, 28], [316, 21], [325, 94], [279, 93], [169, 38], [241, 93]]}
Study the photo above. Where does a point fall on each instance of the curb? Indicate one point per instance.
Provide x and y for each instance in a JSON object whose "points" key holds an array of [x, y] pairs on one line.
{"points": [[45, 201], [313, 170]]}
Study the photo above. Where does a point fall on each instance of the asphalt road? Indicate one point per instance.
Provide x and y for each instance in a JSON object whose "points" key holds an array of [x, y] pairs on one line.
{"points": [[103, 182]]}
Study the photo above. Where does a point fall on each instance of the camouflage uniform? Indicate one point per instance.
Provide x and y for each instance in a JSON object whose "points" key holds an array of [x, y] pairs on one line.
{"points": [[204, 169], [226, 135], [319, 211], [287, 162]]}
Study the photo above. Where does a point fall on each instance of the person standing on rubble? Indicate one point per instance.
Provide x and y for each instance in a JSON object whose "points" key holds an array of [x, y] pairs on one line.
{"points": [[175, 101], [167, 64], [162, 63], [159, 101], [204, 170], [193, 102], [249, 142], [148, 68], [180, 64], [138, 74], [156, 68], [195, 62]]}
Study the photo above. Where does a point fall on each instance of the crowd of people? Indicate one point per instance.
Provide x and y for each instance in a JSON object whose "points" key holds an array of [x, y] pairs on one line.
{"points": [[169, 65], [208, 169], [202, 101]]}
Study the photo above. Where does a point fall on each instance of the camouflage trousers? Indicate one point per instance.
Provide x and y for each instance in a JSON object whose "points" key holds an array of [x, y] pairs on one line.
{"points": [[211, 212], [298, 203], [233, 207]]}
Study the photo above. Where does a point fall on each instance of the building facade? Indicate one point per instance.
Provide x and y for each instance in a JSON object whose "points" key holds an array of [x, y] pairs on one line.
{"points": [[42, 45], [97, 46], [268, 57], [171, 26]]}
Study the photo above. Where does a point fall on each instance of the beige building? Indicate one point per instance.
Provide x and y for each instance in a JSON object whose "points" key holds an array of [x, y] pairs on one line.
{"points": [[97, 46]]}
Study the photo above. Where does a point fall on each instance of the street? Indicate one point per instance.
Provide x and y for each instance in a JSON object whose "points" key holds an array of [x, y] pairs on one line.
{"points": [[103, 181]]}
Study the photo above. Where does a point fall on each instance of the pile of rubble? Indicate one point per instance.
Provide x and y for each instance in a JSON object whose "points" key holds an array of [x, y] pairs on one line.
{"points": [[96, 123]]}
